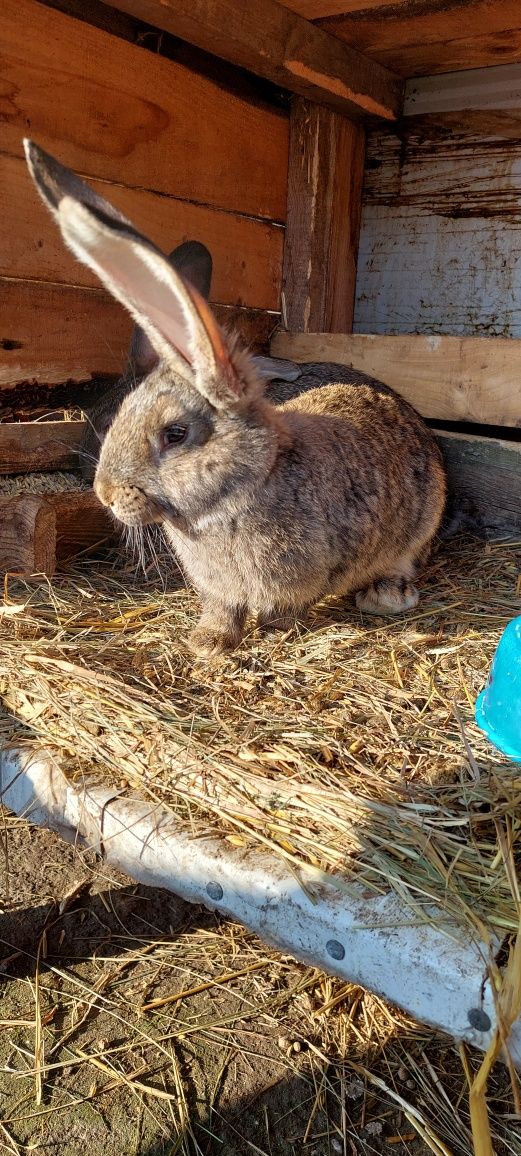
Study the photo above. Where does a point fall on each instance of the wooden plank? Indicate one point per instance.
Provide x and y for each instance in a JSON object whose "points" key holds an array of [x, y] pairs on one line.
{"points": [[424, 36], [27, 535], [326, 169], [469, 379], [115, 111], [64, 333], [476, 88], [56, 333], [82, 524], [247, 253], [40, 446], [484, 476], [440, 244], [319, 9], [272, 42]]}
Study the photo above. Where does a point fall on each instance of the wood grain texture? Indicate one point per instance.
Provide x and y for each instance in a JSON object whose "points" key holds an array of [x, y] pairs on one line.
{"points": [[415, 39], [65, 333], [440, 243], [319, 9], [326, 168], [27, 536], [247, 253], [31, 446], [272, 42], [114, 111], [82, 524], [484, 476], [475, 380]]}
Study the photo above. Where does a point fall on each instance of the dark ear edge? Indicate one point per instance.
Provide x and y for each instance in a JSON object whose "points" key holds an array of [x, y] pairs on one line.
{"points": [[54, 182], [194, 262]]}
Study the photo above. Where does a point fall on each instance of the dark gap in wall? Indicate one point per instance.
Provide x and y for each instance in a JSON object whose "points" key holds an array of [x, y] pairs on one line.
{"points": [[229, 77], [504, 433], [32, 399]]}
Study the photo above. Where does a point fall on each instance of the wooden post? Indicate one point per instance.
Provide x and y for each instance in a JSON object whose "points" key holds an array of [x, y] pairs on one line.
{"points": [[28, 535], [326, 169]]}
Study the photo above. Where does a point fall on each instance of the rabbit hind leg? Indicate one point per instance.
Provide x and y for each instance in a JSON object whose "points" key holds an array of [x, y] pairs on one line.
{"points": [[392, 594]]}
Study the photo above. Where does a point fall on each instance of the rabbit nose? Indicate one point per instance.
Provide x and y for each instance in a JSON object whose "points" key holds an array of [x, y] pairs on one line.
{"points": [[103, 488]]}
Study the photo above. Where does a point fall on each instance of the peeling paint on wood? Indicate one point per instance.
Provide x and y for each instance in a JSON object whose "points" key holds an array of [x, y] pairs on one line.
{"points": [[440, 245]]}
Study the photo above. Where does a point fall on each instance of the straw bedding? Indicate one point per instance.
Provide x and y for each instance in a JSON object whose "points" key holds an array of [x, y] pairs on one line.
{"points": [[348, 743]]}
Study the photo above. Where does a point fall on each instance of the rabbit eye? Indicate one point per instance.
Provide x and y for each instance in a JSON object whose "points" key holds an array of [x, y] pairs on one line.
{"points": [[172, 435]]}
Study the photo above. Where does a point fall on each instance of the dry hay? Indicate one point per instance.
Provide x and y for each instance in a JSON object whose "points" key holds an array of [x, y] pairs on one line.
{"points": [[42, 483], [348, 744]]}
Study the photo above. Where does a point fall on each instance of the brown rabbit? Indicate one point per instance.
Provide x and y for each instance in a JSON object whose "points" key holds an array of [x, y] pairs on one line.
{"points": [[337, 490]]}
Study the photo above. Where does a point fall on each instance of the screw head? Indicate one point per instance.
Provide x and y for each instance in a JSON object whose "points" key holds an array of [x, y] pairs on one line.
{"points": [[479, 1019], [335, 949], [215, 891]]}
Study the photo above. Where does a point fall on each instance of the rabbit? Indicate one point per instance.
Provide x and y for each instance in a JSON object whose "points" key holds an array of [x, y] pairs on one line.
{"points": [[193, 261], [335, 486]]}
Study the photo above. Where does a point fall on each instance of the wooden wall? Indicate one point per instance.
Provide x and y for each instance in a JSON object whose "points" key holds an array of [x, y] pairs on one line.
{"points": [[440, 244], [181, 154]]}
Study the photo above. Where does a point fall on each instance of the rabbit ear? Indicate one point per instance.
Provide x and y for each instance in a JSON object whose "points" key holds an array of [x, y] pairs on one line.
{"points": [[172, 314], [275, 369], [194, 262]]}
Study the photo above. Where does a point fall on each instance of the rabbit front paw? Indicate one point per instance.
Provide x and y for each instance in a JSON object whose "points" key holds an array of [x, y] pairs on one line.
{"points": [[217, 633]]}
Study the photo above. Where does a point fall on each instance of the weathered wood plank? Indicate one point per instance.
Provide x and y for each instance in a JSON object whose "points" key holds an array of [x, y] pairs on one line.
{"points": [[56, 333], [475, 88], [484, 476], [65, 333], [319, 9], [82, 524], [326, 168], [40, 446], [445, 378], [27, 535], [114, 111], [423, 37], [440, 243], [247, 253], [272, 42]]}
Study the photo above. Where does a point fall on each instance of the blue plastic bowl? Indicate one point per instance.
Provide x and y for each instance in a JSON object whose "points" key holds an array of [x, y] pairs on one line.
{"points": [[498, 708]]}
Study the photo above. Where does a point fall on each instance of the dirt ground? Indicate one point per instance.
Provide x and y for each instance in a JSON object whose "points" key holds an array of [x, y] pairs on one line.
{"points": [[161, 1030], [262, 1062]]}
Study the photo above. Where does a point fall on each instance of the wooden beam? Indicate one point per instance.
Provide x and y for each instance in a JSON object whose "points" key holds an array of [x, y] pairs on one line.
{"points": [[27, 536], [66, 333], [466, 379], [326, 171], [30, 446], [82, 524], [484, 476], [38, 532], [319, 9], [420, 37], [272, 42], [150, 123], [247, 253]]}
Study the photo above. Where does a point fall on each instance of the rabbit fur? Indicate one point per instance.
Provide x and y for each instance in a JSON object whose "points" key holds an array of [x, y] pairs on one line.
{"points": [[325, 483]]}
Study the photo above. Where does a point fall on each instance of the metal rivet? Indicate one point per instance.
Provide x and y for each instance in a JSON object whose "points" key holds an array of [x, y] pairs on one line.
{"points": [[479, 1019], [335, 949], [214, 890]]}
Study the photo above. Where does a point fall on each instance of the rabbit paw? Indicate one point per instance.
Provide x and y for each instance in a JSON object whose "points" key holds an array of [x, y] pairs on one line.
{"points": [[387, 596], [219, 629], [206, 642], [275, 622]]}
